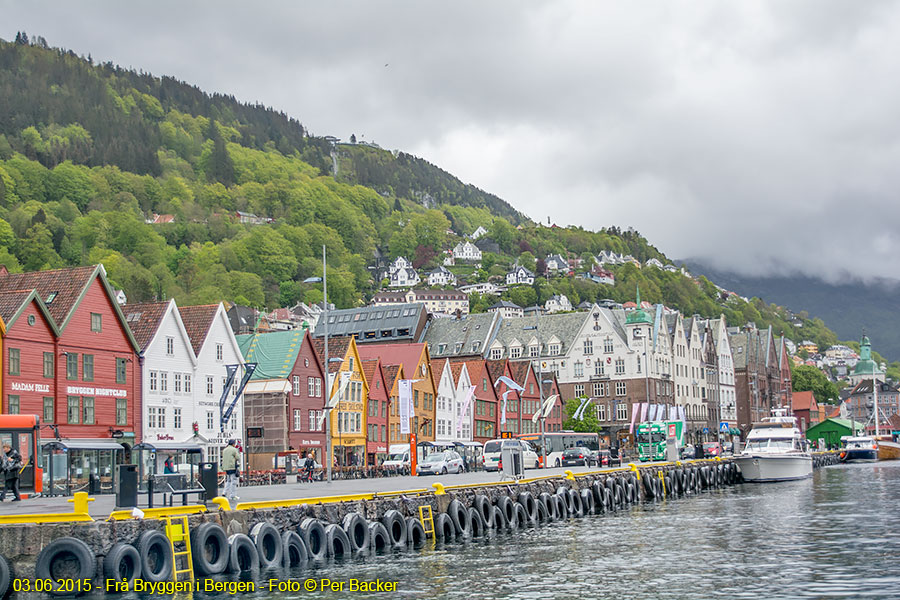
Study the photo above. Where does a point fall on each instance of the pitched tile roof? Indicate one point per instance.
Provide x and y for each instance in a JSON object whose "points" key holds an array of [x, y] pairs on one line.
{"points": [[437, 367], [519, 370], [337, 348], [407, 355], [496, 368], [11, 303], [197, 320], [144, 320], [370, 369], [803, 401], [391, 373], [60, 289], [275, 353]]}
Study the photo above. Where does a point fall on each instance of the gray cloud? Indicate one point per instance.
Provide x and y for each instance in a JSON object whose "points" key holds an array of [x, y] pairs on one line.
{"points": [[759, 136]]}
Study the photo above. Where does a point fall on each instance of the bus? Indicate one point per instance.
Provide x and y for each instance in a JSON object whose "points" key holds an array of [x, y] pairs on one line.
{"points": [[652, 436], [23, 433], [558, 441]]}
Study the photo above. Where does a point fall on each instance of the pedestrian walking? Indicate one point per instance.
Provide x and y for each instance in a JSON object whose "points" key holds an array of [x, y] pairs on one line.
{"points": [[231, 460], [11, 466], [169, 466]]}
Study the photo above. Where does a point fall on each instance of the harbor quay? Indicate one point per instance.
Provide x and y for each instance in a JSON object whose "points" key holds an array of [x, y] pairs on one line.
{"points": [[133, 549]]}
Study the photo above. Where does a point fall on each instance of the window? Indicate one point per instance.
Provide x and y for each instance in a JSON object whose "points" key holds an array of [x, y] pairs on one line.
{"points": [[162, 417], [496, 353], [554, 349], [588, 347], [176, 383], [170, 346], [187, 383], [638, 364], [154, 381], [121, 372], [533, 351], [579, 368], [483, 384], [608, 345], [579, 390], [621, 412], [601, 412], [209, 385], [210, 422], [12, 405], [620, 366], [87, 410], [318, 387], [515, 352], [121, 411], [96, 322], [176, 417], [163, 381], [87, 367], [48, 364], [71, 366], [621, 388], [220, 351], [14, 361], [597, 389], [310, 387], [73, 410]]}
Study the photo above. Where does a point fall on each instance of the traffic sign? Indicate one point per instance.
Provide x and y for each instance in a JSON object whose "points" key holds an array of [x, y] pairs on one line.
{"points": [[706, 430], [723, 427]]}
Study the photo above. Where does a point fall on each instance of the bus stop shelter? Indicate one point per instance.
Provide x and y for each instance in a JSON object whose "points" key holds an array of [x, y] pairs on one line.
{"points": [[81, 465], [151, 457]]}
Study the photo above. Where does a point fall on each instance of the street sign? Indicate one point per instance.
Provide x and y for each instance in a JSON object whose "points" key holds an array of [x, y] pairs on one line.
{"points": [[723, 426], [506, 435], [254, 432], [706, 430]]}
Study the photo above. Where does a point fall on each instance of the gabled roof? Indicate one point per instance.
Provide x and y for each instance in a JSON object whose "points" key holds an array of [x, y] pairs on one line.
{"points": [[803, 401], [564, 327], [370, 369], [519, 370], [62, 291], [337, 348], [408, 355], [496, 368], [144, 319], [465, 331], [13, 303], [197, 321], [274, 353], [391, 373]]}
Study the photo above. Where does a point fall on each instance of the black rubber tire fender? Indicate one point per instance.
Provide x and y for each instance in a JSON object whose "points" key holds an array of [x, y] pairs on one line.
{"points": [[55, 562], [313, 533], [500, 521], [209, 549], [649, 488], [268, 543], [459, 514], [444, 529], [6, 577], [528, 502], [506, 505], [599, 496], [479, 527], [336, 541], [483, 505], [121, 564], [379, 538], [415, 533], [621, 499], [562, 507], [549, 505], [542, 513], [575, 503], [522, 520], [394, 522], [294, 553], [631, 493], [156, 556], [357, 530], [242, 554], [587, 501], [563, 492]]}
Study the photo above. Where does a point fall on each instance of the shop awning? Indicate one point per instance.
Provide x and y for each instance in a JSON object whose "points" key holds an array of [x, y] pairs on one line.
{"points": [[83, 444], [268, 386], [169, 446]]}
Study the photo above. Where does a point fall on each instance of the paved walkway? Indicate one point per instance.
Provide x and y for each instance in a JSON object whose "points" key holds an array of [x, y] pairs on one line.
{"points": [[105, 504]]}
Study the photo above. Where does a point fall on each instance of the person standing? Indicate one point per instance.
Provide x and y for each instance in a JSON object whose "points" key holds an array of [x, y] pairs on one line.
{"points": [[230, 464], [12, 464], [169, 466]]}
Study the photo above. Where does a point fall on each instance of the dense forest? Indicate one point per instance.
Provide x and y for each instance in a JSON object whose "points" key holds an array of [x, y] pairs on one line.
{"points": [[92, 154]]}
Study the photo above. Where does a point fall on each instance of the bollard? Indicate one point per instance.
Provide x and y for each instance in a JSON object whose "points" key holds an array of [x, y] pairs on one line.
{"points": [[222, 503], [80, 502], [438, 489]]}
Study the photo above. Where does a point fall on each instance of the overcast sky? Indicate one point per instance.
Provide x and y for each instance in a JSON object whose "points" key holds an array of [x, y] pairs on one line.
{"points": [[761, 136]]}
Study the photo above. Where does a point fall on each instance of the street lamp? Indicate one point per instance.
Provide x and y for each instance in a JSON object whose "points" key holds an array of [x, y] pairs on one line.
{"points": [[328, 386], [539, 375]]}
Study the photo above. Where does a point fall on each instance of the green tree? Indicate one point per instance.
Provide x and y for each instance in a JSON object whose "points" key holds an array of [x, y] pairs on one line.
{"points": [[806, 378], [587, 424]]}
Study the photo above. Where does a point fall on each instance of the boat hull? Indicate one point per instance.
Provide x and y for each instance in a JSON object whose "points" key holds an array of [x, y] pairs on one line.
{"points": [[888, 450], [774, 467], [860, 455]]}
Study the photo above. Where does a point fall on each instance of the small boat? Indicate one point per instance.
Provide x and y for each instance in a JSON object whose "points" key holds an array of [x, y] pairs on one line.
{"points": [[859, 449], [776, 451], [888, 449]]}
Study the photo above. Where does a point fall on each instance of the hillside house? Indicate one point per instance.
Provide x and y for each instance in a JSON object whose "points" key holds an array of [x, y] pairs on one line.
{"points": [[467, 252], [441, 276], [519, 275]]}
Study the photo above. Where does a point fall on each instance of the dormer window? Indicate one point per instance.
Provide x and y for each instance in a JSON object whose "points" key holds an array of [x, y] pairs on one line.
{"points": [[50, 298]]}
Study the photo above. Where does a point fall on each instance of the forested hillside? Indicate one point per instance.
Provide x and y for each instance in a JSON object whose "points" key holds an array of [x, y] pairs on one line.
{"points": [[91, 155]]}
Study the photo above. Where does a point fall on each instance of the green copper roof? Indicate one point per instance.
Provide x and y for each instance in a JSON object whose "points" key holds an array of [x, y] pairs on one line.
{"points": [[865, 366], [275, 353], [638, 315]]}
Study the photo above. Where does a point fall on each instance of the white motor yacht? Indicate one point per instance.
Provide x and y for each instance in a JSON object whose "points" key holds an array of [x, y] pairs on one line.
{"points": [[776, 451]]}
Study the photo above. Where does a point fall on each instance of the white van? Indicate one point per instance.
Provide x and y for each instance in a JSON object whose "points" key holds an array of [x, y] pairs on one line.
{"points": [[398, 457], [491, 456]]}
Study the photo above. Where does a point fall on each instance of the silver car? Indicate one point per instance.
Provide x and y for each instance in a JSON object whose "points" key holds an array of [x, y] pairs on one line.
{"points": [[441, 463]]}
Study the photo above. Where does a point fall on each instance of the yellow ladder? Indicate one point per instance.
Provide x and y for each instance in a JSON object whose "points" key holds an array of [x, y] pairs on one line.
{"points": [[178, 533], [429, 519]]}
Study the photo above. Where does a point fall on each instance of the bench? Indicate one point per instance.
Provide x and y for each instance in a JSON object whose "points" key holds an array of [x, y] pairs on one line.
{"points": [[172, 485]]}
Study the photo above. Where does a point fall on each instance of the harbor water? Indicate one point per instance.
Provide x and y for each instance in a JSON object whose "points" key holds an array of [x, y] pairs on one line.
{"points": [[833, 536]]}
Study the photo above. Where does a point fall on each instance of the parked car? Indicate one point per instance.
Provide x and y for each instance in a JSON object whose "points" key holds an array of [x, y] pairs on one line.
{"points": [[398, 458], [687, 452], [606, 459], [578, 456], [711, 449], [491, 457], [441, 463]]}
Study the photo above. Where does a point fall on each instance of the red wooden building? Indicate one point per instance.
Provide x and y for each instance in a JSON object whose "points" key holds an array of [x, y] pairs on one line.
{"points": [[485, 399], [377, 415], [497, 369]]}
